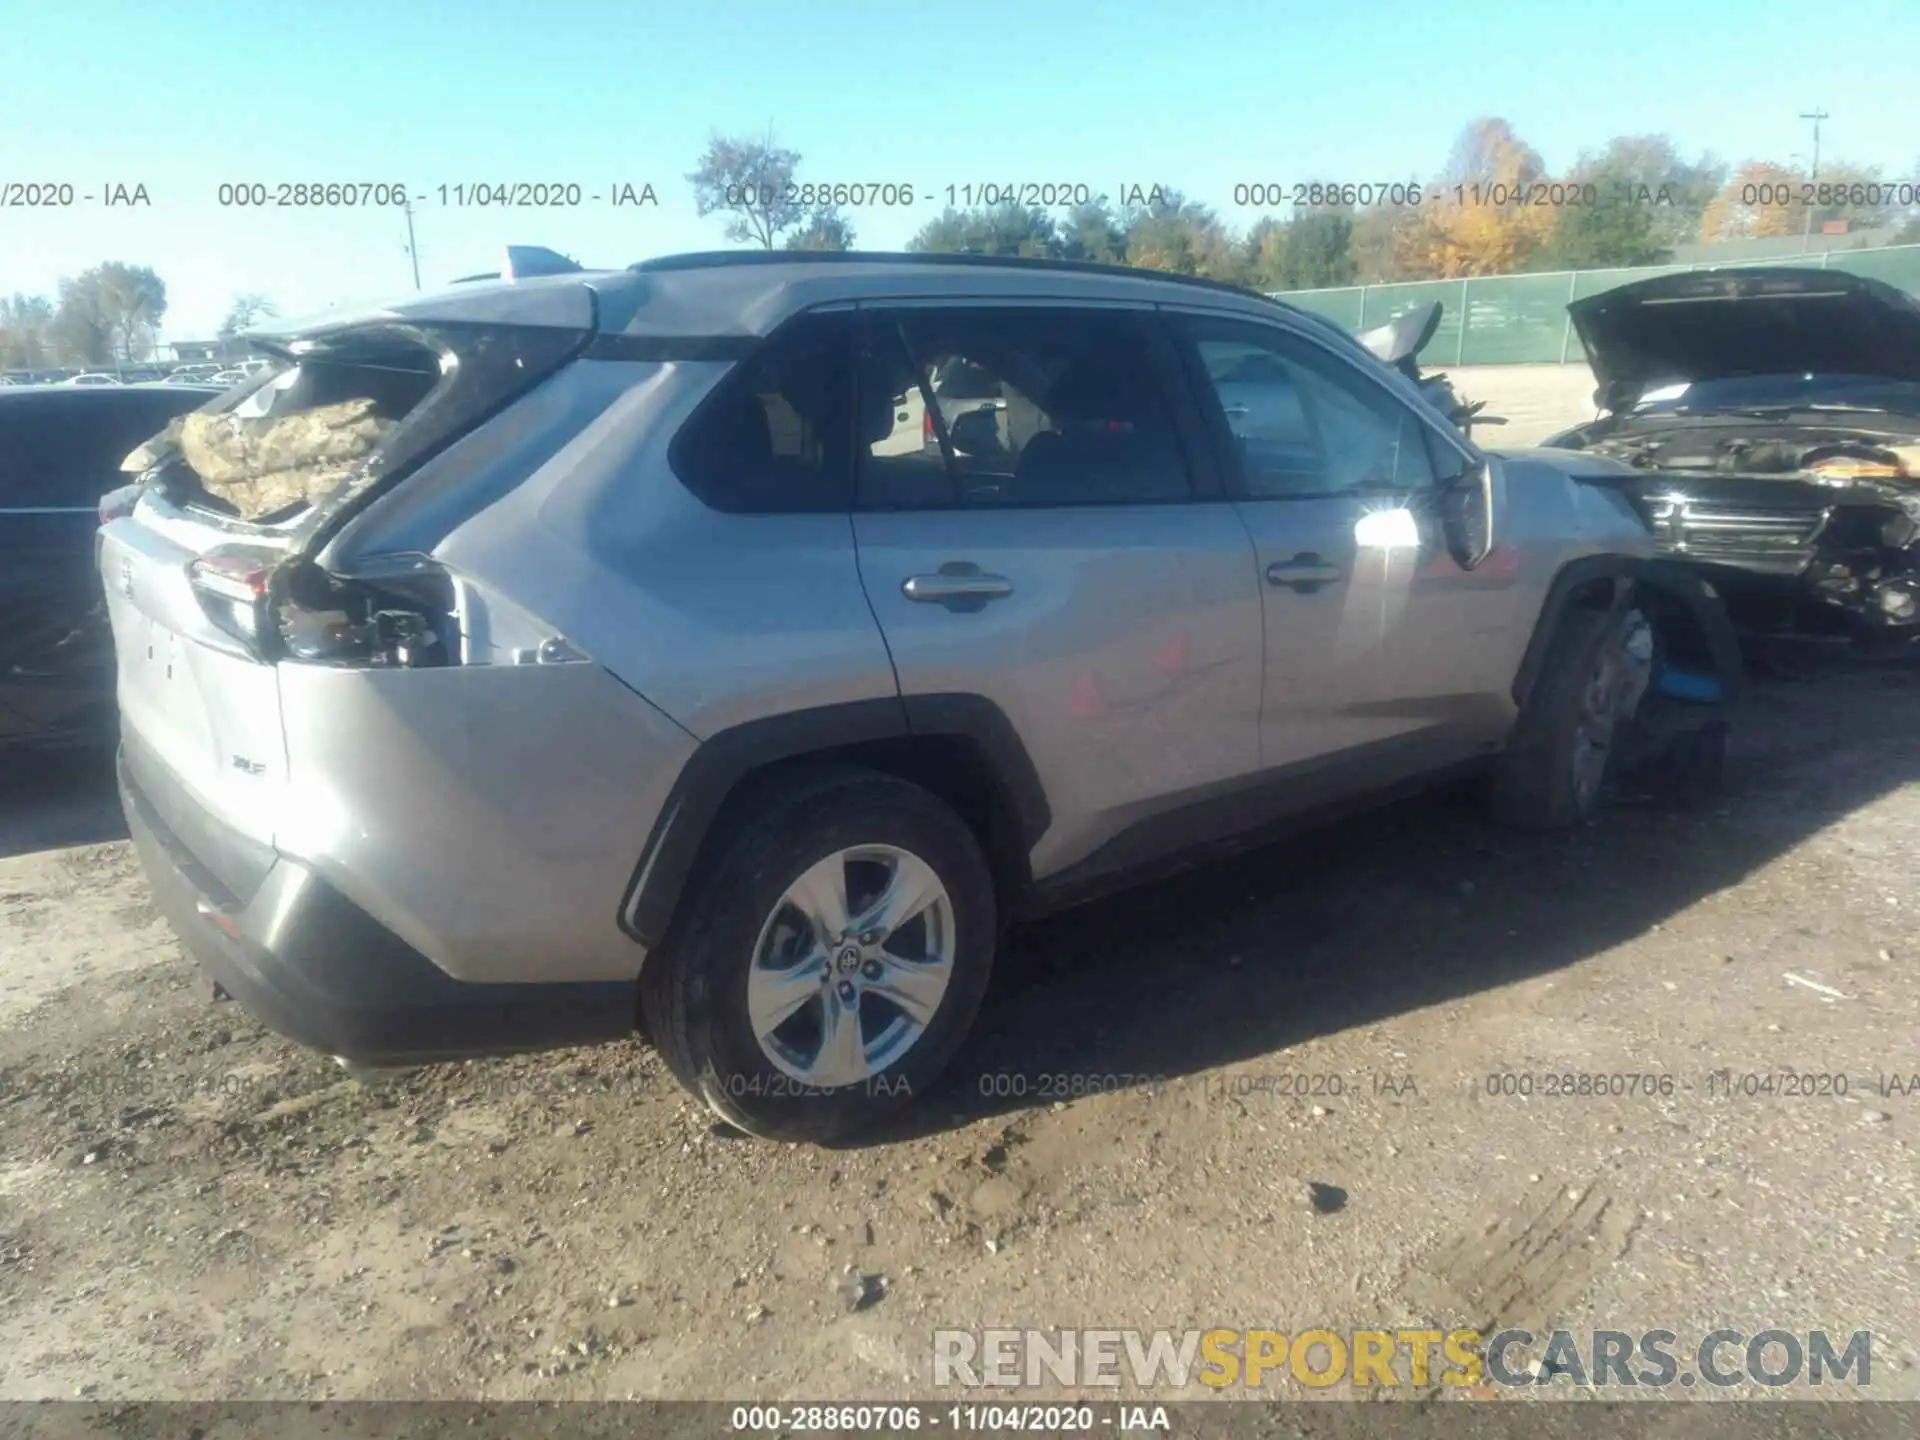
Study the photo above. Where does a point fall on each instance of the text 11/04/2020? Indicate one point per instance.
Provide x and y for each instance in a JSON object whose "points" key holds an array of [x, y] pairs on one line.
{"points": [[386, 195]]}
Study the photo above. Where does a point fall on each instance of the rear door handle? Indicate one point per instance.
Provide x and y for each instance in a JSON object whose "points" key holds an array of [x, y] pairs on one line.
{"points": [[960, 585], [950, 586], [1305, 573]]}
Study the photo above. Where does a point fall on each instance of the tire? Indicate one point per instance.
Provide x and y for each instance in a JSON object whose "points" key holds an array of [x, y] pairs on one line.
{"points": [[1535, 785], [698, 991]]}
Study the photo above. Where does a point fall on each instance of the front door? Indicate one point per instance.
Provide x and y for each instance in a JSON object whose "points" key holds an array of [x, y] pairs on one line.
{"points": [[1337, 475]]}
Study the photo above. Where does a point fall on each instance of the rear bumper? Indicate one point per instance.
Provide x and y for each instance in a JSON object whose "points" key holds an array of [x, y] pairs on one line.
{"points": [[308, 963]]}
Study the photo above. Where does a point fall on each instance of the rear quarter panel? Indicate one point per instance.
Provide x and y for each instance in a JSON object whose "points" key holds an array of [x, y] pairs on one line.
{"points": [[716, 618], [489, 815]]}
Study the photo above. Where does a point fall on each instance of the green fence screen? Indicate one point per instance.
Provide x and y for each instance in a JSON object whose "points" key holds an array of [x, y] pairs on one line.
{"points": [[1522, 319]]}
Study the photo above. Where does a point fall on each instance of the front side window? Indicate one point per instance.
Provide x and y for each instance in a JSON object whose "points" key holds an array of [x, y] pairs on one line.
{"points": [[774, 437], [1301, 421], [1027, 406]]}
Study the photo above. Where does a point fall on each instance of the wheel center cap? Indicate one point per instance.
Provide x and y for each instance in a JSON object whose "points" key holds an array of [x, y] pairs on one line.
{"points": [[848, 960]]}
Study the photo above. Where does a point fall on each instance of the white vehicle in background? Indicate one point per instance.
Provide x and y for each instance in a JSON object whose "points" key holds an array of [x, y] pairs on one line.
{"points": [[92, 378], [227, 377]]}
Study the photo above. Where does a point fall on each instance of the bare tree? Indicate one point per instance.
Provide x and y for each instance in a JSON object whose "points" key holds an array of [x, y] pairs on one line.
{"points": [[749, 181], [244, 312]]}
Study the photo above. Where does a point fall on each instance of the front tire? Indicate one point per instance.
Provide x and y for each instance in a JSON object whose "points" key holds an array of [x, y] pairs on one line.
{"points": [[1556, 768], [831, 961]]}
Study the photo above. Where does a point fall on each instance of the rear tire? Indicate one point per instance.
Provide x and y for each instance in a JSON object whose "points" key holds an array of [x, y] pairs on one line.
{"points": [[746, 949], [1554, 772]]}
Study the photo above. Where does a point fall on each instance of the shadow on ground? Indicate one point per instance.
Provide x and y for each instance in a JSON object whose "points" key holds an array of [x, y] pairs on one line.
{"points": [[52, 800], [1409, 907]]}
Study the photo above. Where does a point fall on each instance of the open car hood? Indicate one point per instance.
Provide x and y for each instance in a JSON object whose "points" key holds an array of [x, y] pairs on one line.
{"points": [[1716, 324]]}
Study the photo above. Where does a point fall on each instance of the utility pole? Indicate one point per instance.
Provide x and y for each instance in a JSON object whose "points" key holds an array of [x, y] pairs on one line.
{"points": [[413, 251], [1816, 116]]}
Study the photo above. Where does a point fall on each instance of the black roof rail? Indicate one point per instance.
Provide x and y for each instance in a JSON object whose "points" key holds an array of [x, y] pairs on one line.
{"points": [[720, 259]]}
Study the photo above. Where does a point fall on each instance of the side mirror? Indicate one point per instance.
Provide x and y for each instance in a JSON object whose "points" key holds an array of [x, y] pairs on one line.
{"points": [[1466, 516]]}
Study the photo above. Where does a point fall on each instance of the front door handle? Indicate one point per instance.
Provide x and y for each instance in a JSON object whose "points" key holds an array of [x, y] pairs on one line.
{"points": [[959, 585], [1304, 573]]}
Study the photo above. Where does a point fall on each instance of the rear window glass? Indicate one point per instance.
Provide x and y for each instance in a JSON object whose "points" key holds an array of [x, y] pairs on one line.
{"points": [[775, 436], [290, 441], [1030, 406]]}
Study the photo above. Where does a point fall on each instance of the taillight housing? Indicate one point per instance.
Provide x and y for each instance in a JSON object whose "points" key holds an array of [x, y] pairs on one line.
{"points": [[231, 583]]}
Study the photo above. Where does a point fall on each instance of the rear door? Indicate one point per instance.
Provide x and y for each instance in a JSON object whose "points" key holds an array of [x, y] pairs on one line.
{"points": [[1060, 554], [60, 451]]}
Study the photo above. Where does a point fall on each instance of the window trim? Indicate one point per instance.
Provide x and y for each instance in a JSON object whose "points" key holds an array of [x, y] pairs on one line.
{"points": [[1180, 319], [1191, 441]]}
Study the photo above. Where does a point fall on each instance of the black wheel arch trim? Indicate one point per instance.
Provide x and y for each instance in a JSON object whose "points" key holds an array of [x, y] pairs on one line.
{"points": [[1572, 578], [1626, 572], [1709, 612], [723, 762]]}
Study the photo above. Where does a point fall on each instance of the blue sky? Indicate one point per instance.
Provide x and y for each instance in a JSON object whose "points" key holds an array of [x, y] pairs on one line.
{"points": [[1200, 95]]}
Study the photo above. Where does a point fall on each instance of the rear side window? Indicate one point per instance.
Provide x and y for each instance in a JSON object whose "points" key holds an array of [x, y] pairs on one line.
{"points": [[63, 452], [776, 434], [1024, 406]]}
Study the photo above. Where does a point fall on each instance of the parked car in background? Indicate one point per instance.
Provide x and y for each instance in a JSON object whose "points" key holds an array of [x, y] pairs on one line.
{"points": [[533, 684], [228, 377], [1771, 417], [60, 452], [92, 377]]}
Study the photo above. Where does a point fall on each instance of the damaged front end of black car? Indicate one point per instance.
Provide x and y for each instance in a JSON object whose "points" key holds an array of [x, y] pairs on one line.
{"points": [[1773, 417]]}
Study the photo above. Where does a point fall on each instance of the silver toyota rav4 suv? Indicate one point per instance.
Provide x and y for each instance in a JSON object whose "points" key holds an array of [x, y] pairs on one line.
{"points": [[562, 656]]}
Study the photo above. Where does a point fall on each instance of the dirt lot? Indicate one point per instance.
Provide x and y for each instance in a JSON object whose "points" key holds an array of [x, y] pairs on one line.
{"points": [[190, 1207]]}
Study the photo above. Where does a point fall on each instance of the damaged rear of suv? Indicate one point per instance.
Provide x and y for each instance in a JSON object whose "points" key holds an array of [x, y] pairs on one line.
{"points": [[329, 760]]}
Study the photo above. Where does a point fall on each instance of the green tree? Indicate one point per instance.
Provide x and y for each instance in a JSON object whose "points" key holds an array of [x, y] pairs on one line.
{"points": [[25, 323], [1649, 170], [999, 230], [1318, 251], [1090, 232], [1378, 244], [826, 229], [749, 181], [1266, 247], [1624, 223], [1171, 232], [110, 312]]}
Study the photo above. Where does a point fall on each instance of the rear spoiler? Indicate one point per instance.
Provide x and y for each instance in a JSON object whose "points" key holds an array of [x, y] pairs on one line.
{"points": [[521, 262]]}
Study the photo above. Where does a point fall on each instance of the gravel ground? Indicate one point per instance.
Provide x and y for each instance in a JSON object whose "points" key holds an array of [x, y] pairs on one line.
{"points": [[192, 1208]]}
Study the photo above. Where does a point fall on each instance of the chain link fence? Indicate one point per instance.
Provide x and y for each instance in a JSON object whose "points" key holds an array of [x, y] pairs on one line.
{"points": [[1522, 319]]}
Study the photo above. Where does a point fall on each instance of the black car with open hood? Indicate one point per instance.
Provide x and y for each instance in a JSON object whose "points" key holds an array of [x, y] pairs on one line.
{"points": [[1775, 415]]}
